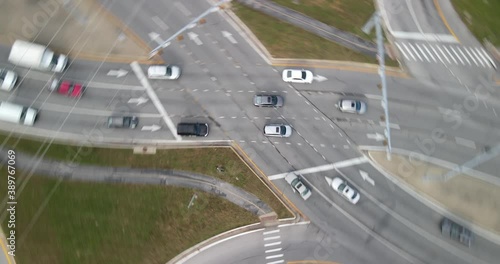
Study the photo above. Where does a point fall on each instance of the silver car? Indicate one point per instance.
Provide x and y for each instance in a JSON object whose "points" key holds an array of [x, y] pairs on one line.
{"points": [[268, 100], [298, 186], [351, 106], [278, 130], [8, 79]]}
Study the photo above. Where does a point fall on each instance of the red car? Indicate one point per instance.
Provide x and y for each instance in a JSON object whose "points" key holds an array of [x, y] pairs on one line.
{"points": [[67, 88]]}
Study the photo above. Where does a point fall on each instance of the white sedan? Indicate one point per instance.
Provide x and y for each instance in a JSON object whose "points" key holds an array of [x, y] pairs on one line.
{"points": [[297, 76], [278, 130], [298, 186], [351, 106], [170, 72], [345, 190]]}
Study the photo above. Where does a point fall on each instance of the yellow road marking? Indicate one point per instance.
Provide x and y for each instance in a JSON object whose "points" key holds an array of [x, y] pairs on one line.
{"points": [[440, 12]]}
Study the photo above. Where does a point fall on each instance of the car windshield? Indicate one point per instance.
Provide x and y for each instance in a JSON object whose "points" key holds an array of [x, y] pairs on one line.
{"points": [[273, 99], [2, 74], [358, 106], [342, 186], [169, 71], [283, 130], [354, 195], [289, 74], [305, 192], [303, 75]]}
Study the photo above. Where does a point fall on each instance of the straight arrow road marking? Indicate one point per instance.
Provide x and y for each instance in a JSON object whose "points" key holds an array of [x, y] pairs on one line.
{"points": [[118, 73], [229, 37], [320, 78], [376, 136], [155, 37], [152, 128], [367, 178], [138, 101], [194, 37]]}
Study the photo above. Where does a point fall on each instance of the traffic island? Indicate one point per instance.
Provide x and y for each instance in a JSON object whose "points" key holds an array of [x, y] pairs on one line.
{"points": [[474, 200], [83, 29]]}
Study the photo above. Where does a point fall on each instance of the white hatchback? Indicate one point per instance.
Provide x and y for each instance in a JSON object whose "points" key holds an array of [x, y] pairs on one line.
{"points": [[169, 72], [278, 130], [297, 76]]}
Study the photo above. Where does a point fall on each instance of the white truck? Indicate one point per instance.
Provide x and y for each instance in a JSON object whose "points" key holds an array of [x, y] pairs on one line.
{"points": [[18, 114], [36, 56]]}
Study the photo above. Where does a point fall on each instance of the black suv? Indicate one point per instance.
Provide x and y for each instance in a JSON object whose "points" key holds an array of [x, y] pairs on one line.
{"points": [[192, 129]]}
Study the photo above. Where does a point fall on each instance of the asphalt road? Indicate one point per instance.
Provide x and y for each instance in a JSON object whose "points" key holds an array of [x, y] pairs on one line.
{"points": [[218, 82]]}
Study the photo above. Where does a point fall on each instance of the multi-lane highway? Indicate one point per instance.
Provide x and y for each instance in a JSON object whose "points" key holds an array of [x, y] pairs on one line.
{"points": [[435, 114]]}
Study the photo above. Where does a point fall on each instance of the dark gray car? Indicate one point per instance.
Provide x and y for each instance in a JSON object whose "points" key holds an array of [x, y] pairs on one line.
{"points": [[192, 129], [456, 232], [123, 121], [268, 100]]}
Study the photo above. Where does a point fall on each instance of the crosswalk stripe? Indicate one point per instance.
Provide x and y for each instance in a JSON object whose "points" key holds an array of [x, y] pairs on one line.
{"points": [[447, 51], [422, 51], [478, 58], [414, 50], [489, 58], [402, 51], [465, 57], [435, 52], [409, 51], [472, 57], [428, 51], [440, 50], [456, 54]]}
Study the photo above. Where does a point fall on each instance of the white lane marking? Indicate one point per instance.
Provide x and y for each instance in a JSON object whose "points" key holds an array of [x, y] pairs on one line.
{"points": [[90, 112], [465, 142], [472, 57], [391, 125], [422, 51], [182, 8], [154, 98], [424, 36], [271, 232], [489, 58], [160, 23], [456, 54], [428, 51], [435, 52], [373, 96], [327, 167], [273, 250], [274, 256], [411, 54], [495, 112], [414, 50], [447, 51], [477, 57], [272, 244], [463, 55], [275, 262], [155, 37], [446, 57], [402, 51], [272, 238]]}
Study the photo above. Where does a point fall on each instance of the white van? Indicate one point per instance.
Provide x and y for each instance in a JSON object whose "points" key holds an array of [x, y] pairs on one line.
{"points": [[14, 113]]}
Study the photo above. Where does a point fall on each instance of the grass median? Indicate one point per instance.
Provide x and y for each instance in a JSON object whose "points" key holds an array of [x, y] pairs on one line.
{"points": [[85, 222], [283, 40], [481, 17]]}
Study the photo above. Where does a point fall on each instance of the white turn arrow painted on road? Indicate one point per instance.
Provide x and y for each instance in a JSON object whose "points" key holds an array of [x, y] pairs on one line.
{"points": [[329, 180], [194, 37], [118, 73], [319, 78], [138, 101], [229, 37], [367, 178], [155, 37], [152, 128], [376, 136]]}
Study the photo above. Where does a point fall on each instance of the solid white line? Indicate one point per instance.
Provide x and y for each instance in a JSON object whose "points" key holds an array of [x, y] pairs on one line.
{"points": [[456, 54], [271, 232], [425, 36], [276, 262], [446, 57], [374, 96], [422, 51], [272, 244], [465, 142], [428, 51], [160, 23], [272, 238], [472, 57], [465, 57], [274, 256], [489, 58], [414, 50], [182, 8], [154, 98], [273, 250], [326, 167], [411, 54], [477, 57], [447, 51], [402, 51]]}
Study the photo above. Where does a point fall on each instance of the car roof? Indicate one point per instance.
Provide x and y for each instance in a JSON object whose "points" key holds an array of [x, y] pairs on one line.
{"points": [[157, 70], [271, 129], [348, 104]]}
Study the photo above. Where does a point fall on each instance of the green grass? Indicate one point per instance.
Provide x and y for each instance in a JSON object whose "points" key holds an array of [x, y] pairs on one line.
{"points": [[86, 222], [200, 160], [283, 40], [483, 18], [346, 15]]}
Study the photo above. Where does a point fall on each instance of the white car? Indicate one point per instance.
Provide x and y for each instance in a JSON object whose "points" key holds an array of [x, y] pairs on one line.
{"points": [[278, 130], [351, 106], [169, 72], [345, 190], [297, 76], [298, 186], [8, 79]]}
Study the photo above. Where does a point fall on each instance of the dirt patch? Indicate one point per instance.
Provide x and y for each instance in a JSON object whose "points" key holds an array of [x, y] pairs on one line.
{"points": [[470, 198], [83, 29]]}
